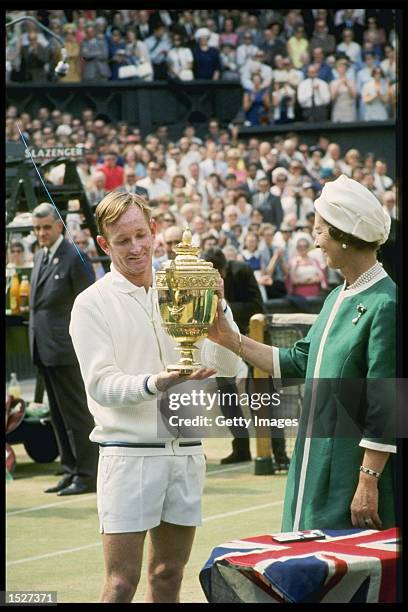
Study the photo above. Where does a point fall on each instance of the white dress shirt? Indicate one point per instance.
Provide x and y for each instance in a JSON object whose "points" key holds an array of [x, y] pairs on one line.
{"points": [[305, 93]]}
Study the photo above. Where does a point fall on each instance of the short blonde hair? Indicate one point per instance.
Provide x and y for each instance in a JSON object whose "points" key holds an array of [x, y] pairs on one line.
{"points": [[114, 204]]}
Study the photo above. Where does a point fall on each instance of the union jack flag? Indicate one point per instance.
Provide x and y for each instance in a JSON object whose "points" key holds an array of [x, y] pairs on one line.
{"points": [[348, 566]]}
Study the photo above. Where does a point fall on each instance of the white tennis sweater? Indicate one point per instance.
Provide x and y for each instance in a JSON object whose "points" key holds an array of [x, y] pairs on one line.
{"points": [[119, 339]]}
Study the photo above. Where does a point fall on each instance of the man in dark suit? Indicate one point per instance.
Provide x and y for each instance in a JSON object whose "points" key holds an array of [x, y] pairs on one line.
{"points": [[244, 298], [268, 204], [58, 276]]}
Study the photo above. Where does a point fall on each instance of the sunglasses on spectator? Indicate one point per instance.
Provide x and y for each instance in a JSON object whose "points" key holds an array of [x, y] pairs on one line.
{"points": [[169, 242], [169, 219]]}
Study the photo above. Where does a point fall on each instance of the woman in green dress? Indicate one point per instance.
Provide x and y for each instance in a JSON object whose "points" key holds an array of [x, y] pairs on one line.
{"points": [[341, 471]]}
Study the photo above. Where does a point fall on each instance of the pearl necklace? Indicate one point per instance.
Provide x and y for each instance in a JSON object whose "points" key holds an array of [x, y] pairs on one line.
{"points": [[367, 276]]}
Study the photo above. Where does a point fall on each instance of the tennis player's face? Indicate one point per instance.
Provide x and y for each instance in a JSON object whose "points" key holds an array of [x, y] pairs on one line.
{"points": [[332, 249], [129, 243]]}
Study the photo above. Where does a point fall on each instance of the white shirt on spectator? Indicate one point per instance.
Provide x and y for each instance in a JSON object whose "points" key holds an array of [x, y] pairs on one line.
{"points": [[180, 58], [155, 189], [352, 50], [244, 53], [305, 91], [252, 66], [382, 182], [292, 76], [211, 166], [158, 49]]}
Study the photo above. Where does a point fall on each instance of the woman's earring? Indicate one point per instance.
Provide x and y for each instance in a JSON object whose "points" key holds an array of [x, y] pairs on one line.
{"points": [[344, 245]]}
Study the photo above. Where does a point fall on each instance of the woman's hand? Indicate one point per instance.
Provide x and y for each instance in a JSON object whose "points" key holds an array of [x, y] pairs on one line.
{"points": [[364, 507], [221, 331], [165, 380]]}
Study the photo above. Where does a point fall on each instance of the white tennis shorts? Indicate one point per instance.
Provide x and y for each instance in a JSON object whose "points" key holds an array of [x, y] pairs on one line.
{"points": [[136, 493]]}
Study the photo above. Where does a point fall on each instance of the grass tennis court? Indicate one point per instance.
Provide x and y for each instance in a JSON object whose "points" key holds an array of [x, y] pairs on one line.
{"points": [[54, 543]]}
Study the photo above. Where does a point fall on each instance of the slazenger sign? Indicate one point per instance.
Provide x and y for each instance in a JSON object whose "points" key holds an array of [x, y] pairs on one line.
{"points": [[52, 152]]}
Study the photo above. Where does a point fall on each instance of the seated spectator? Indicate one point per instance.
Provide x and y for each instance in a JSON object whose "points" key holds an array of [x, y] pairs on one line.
{"points": [[283, 103], [256, 66], [208, 241], [305, 276], [180, 60], [297, 45], [250, 184], [256, 103], [375, 97], [285, 73], [95, 54], [349, 47], [130, 181], [158, 45], [188, 212], [389, 203], [381, 180], [279, 178], [322, 38], [113, 172], [231, 253], [273, 43], [298, 202], [314, 163], [214, 187], [343, 94], [155, 186], [352, 161], [375, 35], [159, 253], [268, 204], [369, 182], [228, 59], [207, 64], [350, 19], [96, 190], [313, 96], [138, 55], [251, 253], [244, 208], [228, 36], [236, 166], [389, 64], [324, 71], [16, 255], [246, 51]]}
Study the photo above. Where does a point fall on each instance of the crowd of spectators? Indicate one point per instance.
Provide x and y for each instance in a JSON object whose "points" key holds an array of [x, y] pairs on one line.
{"points": [[254, 200], [293, 64]]}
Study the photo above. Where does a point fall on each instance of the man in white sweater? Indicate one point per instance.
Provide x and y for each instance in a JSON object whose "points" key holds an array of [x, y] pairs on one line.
{"points": [[145, 483]]}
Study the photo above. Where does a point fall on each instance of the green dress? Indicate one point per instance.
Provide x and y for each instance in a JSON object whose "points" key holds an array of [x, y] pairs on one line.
{"points": [[348, 401]]}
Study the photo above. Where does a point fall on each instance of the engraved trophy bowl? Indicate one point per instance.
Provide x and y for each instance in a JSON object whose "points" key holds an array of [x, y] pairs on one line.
{"points": [[188, 301]]}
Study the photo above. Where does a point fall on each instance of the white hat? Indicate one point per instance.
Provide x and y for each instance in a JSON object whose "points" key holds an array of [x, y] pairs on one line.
{"points": [[277, 171], [352, 208], [202, 32], [63, 130]]}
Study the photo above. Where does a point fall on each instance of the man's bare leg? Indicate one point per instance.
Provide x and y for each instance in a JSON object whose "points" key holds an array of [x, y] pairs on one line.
{"points": [[168, 552], [123, 553]]}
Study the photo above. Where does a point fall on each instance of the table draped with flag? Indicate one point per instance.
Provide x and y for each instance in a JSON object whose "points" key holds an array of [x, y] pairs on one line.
{"points": [[348, 566]]}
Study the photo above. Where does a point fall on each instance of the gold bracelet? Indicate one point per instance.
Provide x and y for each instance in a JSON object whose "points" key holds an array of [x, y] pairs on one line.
{"points": [[240, 345]]}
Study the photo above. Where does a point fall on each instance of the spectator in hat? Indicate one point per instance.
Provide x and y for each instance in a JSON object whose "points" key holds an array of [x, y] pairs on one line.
{"points": [[343, 94], [207, 64]]}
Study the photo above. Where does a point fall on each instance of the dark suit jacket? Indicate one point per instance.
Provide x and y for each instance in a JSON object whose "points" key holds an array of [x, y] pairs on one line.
{"points": [[51, 301], [271, 208], [242, 293]]}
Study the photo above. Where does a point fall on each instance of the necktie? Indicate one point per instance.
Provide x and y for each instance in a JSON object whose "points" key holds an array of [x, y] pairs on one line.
{"points": [[313, 95], [44, 263]]}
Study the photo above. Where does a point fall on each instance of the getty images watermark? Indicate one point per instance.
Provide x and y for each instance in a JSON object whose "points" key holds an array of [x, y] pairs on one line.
{"points": [[208, 402]]}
